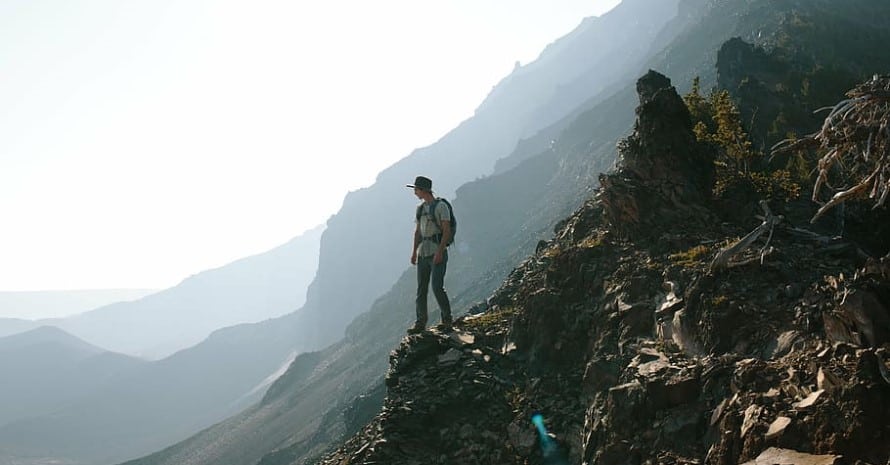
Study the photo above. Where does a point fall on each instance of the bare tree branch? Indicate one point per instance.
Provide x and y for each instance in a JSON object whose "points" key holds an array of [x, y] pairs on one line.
{"points": [[722, 259], [855, 137]]}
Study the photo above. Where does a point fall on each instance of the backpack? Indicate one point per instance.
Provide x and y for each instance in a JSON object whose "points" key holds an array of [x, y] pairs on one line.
{"points": [[436, 220]]}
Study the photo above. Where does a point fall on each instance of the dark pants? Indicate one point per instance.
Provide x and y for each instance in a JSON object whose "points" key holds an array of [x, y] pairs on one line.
{"points": [[425, 269]]}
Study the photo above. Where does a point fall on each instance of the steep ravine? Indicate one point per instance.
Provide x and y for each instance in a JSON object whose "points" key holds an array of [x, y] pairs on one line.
{"points": [[635, 351]]}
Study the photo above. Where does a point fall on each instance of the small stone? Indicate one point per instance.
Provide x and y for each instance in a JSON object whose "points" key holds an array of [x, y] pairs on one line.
{"points": [[775, 455], [793, 291], [826, 380], [784, 343], [718, 412], [451, 356], [777, 427], [462, 337], [752, 415], [652, 368], [809, 401]]}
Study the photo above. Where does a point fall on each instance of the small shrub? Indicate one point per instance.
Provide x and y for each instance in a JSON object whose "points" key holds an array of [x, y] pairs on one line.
{"points": [[591, 241], [490, 318], [717, 122], [691, 257]]}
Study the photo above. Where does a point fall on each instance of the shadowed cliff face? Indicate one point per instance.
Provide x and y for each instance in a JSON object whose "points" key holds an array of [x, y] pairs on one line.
{"points": [[780, 93], [635, 352], [663, 173]]}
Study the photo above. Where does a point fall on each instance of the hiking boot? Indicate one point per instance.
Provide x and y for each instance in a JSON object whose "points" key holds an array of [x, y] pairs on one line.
{"points": [[445, 327], [417, 328]]}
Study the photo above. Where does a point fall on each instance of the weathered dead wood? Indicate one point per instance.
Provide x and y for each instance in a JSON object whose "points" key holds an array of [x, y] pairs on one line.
{"points": [[759, 259], [842, 196], [722, 259], [855, 138], [809, 235]]}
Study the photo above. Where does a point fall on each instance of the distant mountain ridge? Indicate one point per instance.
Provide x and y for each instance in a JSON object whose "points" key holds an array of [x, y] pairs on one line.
{"points": [[9, 326], [248, 290], [130, 408], [79, 398], [49, 335], [35, 305], [45, 368], [153, 324], [23, 309]]}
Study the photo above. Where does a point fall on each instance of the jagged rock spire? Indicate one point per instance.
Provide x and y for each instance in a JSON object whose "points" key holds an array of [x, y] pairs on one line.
{"points": [[663, 173]]}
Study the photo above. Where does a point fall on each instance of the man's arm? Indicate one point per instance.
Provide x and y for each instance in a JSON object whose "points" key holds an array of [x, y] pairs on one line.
{"points": [[446, 235]]}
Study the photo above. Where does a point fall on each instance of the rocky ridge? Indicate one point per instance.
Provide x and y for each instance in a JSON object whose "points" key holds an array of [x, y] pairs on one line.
{"points": [[634, 349]]}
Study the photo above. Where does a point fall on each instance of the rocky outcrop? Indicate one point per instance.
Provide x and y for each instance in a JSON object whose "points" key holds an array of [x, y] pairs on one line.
{"points": [[663, 173], [616, 343]]}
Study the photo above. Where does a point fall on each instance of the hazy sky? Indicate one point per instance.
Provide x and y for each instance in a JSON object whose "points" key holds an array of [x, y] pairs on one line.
{"points": [[143, 141]]}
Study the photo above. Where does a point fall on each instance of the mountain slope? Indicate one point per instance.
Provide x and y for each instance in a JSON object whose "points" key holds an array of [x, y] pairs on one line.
{"points": [[10, 326], [115, 410], [582, 333], [248, 290], [619, 342], [157, 403], [45, 368]]}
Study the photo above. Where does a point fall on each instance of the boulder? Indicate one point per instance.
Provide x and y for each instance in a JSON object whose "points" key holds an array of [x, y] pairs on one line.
{"points": [[777, 456]]}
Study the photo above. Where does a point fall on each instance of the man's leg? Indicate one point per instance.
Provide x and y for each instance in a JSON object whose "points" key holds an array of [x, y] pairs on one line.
{"points": [[424, 268], [439, 289]]}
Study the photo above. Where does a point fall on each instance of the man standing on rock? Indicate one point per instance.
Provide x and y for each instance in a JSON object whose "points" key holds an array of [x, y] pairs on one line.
{"points": [[432, 234]]}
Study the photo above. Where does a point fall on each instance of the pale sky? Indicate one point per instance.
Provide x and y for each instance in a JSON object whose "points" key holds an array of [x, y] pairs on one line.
{"points": [[144, 141]]}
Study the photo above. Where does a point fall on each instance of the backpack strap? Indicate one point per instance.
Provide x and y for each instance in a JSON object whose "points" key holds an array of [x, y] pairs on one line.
{"points": [[433, 207], [432, 213]]}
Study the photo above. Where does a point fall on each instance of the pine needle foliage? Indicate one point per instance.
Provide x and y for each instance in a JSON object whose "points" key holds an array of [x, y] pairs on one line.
{"points": [[718, 122]]}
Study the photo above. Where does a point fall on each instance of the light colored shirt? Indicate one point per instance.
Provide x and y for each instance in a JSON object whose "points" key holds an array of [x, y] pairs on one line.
{"points": [[429, 229]]}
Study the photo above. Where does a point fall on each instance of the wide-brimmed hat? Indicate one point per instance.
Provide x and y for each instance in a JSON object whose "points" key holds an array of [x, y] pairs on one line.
{"points": [[422, 183]]}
